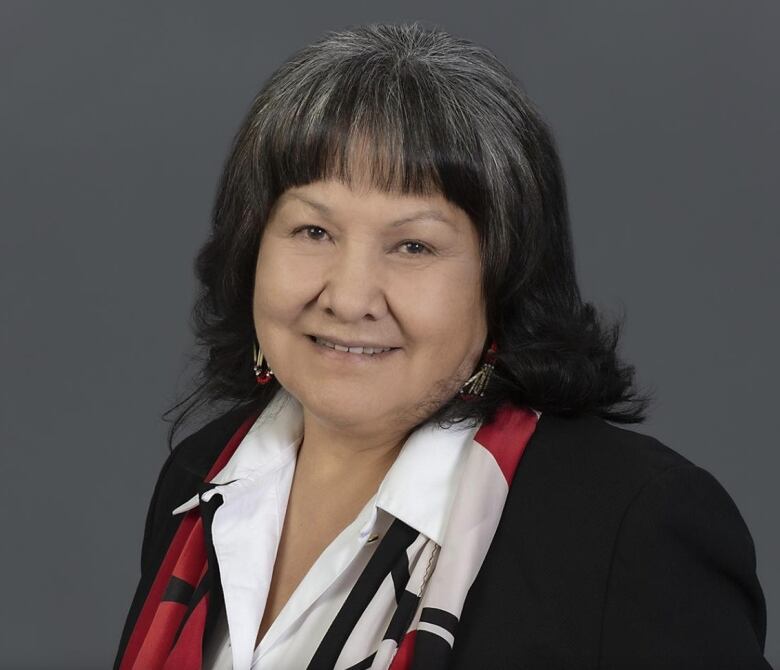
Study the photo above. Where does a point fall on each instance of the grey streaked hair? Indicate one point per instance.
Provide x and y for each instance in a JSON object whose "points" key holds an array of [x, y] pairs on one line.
{"points": [[435, 113]]}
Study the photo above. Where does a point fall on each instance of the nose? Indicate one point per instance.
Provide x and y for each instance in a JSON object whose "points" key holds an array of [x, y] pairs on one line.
{"points": [[354, 287]]}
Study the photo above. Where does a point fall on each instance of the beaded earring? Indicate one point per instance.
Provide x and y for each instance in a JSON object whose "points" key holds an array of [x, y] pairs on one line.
{"points": [[476, 384], [263, 373]]}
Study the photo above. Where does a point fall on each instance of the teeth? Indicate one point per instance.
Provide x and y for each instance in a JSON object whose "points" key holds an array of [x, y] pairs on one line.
{"points": [[353, 350]]}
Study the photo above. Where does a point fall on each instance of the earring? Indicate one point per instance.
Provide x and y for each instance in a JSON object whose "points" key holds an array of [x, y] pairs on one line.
{"points": [[476, 384], [263, 375]]}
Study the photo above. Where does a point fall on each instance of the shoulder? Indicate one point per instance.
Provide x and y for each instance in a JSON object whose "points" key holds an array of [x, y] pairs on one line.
{"points": [[587, 466], [588, 448], [576, 479], [197, 452], [180, 477], [613, 480], [636, 544], [192, 457], [586, 479]]}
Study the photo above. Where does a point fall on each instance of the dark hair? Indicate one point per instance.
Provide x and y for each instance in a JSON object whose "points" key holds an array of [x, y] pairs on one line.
{"points": [[438, 114]]}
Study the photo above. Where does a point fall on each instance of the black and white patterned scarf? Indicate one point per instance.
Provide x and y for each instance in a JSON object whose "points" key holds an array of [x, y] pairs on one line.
{"points": [[420, 585]]}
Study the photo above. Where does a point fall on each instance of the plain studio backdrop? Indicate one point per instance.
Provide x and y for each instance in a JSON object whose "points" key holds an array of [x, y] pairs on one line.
{"points": [[115, 120]]}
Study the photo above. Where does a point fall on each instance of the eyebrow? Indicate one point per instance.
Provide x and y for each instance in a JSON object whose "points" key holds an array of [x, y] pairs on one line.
{"points": [[428, 213]]}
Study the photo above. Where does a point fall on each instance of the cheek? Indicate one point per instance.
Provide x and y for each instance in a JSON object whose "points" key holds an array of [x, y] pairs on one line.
{"points": [[459, 290], [265, 291], [280, 286], [447, 312]]}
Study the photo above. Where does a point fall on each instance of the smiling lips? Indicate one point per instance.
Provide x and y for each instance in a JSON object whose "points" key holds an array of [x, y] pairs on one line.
{"points": [[370, 351]]}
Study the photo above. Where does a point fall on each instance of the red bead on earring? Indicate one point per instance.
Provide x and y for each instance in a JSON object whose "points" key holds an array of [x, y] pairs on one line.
{"points": [[263, 376]]}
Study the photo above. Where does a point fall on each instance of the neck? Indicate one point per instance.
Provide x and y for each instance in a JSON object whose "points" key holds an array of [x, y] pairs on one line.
{"points": [[329, 455]]}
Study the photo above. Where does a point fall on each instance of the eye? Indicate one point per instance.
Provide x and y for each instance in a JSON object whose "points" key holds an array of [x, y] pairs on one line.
{"points": [[421, 249], [307, 229], [315, 234]]}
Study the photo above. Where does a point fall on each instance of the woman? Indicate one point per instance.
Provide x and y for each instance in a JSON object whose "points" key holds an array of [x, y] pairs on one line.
{"points": [[417, 470]]}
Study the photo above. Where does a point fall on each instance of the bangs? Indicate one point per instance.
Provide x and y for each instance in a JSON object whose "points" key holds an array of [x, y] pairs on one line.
{"points": [[372, 123]]}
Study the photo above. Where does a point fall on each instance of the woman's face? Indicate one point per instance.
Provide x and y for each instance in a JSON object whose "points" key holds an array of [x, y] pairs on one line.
{"points": [[369, 268]]}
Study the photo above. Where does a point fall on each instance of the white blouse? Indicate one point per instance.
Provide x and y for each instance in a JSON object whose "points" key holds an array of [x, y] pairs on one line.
{"points": [[419, 489]]}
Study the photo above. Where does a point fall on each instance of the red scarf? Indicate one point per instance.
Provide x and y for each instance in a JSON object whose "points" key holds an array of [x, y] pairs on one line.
{"points": [[168, 635]]}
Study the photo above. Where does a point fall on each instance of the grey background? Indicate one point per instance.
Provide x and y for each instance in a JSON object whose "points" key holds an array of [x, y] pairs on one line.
{"points": [[114, 122]]}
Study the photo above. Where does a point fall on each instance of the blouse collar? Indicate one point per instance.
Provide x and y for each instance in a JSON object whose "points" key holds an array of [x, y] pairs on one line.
{"points": [[418, 489]]}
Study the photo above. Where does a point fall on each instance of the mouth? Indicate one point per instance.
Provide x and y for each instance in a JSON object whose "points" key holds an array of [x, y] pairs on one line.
{"points": [[355, 353]]}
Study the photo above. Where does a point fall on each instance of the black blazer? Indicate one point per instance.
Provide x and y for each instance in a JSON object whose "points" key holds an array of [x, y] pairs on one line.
{"points": [[613, 551]]}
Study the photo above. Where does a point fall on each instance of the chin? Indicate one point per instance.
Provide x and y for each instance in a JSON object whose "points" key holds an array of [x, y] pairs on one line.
{"points": [[345, 403]]}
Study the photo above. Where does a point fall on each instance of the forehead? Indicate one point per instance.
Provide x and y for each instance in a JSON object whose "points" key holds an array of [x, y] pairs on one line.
{"points": [[332, 199]]}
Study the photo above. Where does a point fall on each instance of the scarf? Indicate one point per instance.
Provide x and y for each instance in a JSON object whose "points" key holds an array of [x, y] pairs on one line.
{"points": [[430, 582]]}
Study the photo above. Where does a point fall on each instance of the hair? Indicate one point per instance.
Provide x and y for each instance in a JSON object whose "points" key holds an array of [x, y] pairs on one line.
{"points": [[438, 114]]}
